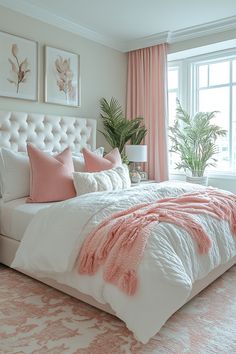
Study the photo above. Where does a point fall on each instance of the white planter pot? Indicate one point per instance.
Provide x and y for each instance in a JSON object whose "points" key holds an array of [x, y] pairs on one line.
{"points": [[198, 180]]}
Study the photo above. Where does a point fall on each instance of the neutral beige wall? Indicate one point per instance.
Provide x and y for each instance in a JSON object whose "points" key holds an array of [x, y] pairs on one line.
{"points": [[201, 41], [103, 70]]}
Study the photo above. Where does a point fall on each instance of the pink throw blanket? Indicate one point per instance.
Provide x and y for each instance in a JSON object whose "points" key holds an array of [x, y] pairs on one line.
{"points": [[118, 242]]}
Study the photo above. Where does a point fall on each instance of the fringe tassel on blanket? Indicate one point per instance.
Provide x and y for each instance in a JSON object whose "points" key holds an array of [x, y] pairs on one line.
{"points": [[118, 243]]}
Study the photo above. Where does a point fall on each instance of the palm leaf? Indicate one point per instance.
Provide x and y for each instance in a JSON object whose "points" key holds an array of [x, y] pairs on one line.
{"points": [[194, 140], [118, 130]]}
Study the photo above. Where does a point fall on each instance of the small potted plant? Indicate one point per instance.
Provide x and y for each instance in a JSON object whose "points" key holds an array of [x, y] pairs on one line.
{"points": [[118, 130], [194, 140]]}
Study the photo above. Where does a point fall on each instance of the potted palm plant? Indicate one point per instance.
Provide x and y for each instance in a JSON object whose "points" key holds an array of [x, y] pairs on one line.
{"points": [[194, 140], [118, 130]]}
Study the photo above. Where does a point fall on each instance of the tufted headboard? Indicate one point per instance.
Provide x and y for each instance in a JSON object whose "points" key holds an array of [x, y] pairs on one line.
{"points": [[47, 132]]}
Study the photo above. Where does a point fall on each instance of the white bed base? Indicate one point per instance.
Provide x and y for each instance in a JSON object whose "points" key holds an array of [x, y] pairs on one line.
{"points": [[8, 248]]}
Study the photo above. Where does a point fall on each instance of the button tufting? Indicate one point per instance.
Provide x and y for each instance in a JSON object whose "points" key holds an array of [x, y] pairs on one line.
{"points": [[28, 120], [69, 132], [47, 140], [54, 131], [38, 130], [62, 141], [21, 130]]}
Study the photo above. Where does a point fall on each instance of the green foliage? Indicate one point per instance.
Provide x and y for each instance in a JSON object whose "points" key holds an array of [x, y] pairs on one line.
{"points": [[194, 140], [118, 130], [139, 131]]}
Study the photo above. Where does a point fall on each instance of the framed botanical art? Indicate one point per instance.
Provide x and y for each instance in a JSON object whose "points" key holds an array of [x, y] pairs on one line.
{"points": [[62, 77], [18, 67]]}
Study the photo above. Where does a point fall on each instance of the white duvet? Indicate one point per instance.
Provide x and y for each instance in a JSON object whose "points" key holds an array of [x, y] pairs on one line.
{"points": [[168, 270]]}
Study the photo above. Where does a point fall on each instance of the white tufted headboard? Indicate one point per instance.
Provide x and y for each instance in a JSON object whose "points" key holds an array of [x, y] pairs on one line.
{"points": [[47, 132]]}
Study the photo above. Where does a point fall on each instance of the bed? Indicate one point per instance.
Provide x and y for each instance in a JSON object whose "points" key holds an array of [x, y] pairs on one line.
{"points": [[54, 133]]}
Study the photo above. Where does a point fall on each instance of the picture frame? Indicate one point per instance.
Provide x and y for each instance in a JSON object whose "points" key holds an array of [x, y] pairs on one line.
{"points": [[143, 175], [62, 77], [18, 67]]}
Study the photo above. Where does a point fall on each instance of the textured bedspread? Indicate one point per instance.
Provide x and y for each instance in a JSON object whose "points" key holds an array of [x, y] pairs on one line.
{"points": [[170, 265]]}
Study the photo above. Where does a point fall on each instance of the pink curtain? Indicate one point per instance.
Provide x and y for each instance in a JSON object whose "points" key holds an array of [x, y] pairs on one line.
{"points": [[147, 97]]}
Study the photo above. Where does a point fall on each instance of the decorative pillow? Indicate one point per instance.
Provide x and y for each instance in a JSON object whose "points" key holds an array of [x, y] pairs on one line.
{"points": [[14, 174], [50, 176], [94, 163], [78, 159], [109, 180]]}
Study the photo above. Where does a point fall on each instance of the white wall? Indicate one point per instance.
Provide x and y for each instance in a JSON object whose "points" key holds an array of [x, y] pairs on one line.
{"points": [[103, 70]]}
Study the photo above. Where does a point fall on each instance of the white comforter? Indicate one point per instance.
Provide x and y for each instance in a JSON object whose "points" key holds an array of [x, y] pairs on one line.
{"points": [[170, 266]]}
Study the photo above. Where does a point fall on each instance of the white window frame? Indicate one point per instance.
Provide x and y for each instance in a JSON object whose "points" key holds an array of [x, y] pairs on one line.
{"points": [[179, 65], [188, 92]]}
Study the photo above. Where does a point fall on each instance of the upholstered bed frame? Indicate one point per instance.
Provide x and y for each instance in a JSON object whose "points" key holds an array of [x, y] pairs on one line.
{"points": [[47, 132], [54, 133]]}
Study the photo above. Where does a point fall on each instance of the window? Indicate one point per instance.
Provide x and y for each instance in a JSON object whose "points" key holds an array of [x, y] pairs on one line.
{"points": [[209, 84]]}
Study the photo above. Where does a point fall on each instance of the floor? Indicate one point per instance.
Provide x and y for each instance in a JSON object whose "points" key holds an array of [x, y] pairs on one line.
{"points": [[35, 318]]}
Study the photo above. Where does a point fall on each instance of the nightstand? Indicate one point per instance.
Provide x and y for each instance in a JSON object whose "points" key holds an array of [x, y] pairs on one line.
{"points": [[143, 182]]}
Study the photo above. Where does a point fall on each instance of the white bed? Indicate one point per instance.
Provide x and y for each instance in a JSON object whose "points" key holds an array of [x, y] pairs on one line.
{"points": [[50, 133], [54, 133]]}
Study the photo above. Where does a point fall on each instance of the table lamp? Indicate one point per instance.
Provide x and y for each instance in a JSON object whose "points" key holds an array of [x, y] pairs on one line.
{"points": [[136, 154]]}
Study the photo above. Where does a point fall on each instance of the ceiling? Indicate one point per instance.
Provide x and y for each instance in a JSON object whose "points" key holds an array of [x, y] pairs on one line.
{"points": [[129, 24]]}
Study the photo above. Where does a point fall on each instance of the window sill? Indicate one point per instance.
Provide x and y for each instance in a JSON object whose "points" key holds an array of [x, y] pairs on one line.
{"points": [[211, 175]]}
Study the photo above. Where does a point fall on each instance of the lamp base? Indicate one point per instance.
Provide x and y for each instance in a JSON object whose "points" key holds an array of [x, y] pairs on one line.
{"points": [[143, 174]]}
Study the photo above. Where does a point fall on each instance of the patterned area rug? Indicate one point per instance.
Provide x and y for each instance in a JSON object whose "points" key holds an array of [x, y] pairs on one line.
{"points": [[35, 318]]}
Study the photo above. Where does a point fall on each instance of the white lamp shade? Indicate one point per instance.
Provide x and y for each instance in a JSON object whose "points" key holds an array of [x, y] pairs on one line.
{"points": [[136, 153]]}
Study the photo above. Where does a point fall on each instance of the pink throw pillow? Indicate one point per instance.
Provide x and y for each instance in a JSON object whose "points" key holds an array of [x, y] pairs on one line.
{"points": [[95, 163], [51, 177]]}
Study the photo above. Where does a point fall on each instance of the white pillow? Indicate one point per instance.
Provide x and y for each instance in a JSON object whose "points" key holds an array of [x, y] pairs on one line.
{"points": [[78, 159], [14, 174], [109, 180]]}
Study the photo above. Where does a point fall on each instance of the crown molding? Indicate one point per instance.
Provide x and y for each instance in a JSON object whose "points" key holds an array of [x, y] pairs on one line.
{"points": [[188, 33], [205, 29], [162, 37], [46, 16]]}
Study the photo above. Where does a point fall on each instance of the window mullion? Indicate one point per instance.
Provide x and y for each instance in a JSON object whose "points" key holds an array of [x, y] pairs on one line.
{"points": [[193, 82], [231, 116], [208, 76]]}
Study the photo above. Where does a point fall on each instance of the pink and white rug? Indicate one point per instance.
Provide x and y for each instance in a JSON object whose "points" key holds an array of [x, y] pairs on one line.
{"points": [[35, 318]]}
